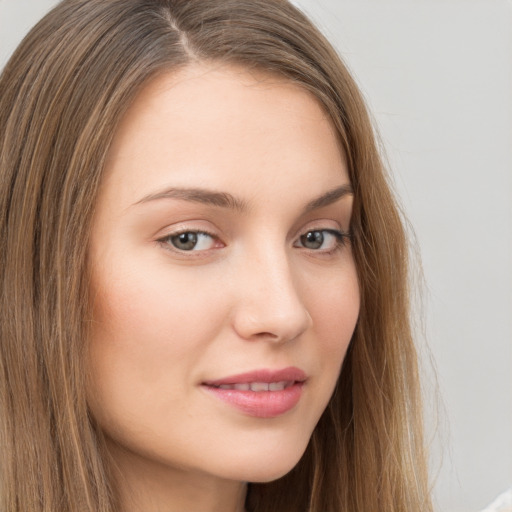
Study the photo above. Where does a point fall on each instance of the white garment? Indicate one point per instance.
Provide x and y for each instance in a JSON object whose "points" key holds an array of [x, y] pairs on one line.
{"points": [[503, 503]]}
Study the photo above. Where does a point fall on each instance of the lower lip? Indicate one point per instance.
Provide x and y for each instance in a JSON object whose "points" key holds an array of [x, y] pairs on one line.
{"points": [[260, 404]]}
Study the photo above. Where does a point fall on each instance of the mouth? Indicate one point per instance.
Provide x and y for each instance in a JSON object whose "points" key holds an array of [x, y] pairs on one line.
{"points": [[258, 387], [260, 393]]}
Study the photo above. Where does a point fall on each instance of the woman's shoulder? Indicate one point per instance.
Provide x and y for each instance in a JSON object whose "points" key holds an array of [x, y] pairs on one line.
{"points": [[503, 503]]}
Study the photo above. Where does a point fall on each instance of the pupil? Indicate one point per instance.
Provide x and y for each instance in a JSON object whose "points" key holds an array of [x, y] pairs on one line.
{"points": [[185, 241], [313, 239]]}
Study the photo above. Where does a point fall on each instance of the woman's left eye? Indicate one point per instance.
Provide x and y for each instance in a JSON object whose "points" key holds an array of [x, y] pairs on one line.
{"points": [[189, 241], [321, 240]]}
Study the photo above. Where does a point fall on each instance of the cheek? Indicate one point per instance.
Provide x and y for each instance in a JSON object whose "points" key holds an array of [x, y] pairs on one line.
{"points": [[334, 308], [147, 336], [146, 311], [338, 317], [334, 305]]}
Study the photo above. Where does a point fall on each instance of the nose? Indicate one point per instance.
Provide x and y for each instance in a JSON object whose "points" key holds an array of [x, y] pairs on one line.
{"points": [[268, 305]]}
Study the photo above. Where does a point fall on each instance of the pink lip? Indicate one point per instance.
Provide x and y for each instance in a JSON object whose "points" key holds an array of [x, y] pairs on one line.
{"points": [[264, 375], [261, 404]]}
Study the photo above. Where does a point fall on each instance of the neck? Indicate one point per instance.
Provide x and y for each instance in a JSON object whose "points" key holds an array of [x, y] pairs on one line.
{"points": [[156, 487]]}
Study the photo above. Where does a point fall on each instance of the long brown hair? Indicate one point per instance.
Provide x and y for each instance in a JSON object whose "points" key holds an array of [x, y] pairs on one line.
{"points": [[62, 95]]}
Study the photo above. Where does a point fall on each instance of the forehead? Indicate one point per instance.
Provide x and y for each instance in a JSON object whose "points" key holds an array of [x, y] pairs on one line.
{"points": [[221, 125]]}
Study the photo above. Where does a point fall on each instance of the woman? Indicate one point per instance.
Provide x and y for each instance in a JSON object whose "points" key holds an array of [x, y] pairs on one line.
{"points": [[204, 273]]}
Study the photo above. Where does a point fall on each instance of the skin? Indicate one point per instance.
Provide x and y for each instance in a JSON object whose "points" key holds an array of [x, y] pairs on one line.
{"points": [[250, 295]]}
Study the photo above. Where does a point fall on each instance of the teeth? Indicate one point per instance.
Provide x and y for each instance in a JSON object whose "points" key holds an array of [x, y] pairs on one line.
{"points": [[258, 386]]}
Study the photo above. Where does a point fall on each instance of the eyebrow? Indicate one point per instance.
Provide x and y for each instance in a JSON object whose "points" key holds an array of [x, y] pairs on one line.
{"points": [[226, 200], [199, 195], [329, 197]]}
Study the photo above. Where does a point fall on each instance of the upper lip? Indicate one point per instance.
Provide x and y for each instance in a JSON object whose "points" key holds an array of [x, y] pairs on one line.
{"points": [[263, 375]]}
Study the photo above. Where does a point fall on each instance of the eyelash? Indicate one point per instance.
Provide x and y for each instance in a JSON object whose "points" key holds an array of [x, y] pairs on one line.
{"points": [[341, 240]]}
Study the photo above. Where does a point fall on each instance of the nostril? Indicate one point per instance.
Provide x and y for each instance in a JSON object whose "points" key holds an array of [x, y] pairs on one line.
{"points": [[273, 324], [265, 335]]}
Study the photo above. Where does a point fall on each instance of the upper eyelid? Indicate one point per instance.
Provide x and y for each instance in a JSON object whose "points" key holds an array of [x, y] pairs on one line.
{"points": [[188, 230], [326, 224], [318, 225], [180, 228], [181, 232]]}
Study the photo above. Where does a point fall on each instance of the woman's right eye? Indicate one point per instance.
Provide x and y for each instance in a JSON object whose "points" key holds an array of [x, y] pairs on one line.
{"points": [[189, 241]]}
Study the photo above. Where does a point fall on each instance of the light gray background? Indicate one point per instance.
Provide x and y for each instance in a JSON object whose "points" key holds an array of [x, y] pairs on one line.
{"points": [[438, 77]]}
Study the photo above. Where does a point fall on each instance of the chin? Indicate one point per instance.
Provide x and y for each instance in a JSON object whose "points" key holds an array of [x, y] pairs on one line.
{"points": [[265, 466], [266, 476], [273, 471]]}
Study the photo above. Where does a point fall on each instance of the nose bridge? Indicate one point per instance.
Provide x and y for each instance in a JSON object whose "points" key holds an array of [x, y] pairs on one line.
{"points": [[270, 304]]}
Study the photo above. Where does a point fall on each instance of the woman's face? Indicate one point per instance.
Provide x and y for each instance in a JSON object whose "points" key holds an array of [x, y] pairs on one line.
{"points": [[224, 288]]}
